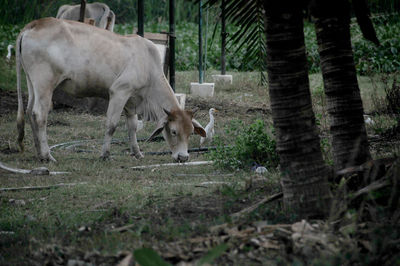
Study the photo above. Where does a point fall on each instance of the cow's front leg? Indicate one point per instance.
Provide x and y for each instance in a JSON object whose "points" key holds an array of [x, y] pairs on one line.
{"points": [[132, 123], [117, 102]]}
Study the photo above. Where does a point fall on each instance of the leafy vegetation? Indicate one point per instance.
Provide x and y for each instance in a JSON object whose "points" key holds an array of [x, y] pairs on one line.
{"points": [[386, 57], [252, 145], [245, 49], [148, 257], [369, 58]]}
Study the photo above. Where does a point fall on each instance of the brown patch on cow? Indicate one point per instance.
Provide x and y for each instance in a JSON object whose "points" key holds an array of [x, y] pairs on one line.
{"points": [[183, 118], [189, 113]]}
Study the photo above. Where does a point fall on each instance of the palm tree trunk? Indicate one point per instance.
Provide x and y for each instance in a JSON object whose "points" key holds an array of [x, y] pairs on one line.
{"points": [[344, 105], [304, 174]]}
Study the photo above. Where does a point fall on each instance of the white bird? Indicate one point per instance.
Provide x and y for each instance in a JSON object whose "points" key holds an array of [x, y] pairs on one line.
{"points": [[140, 125], [368, 120], [261, 170], [209, 128], [9, 47]]}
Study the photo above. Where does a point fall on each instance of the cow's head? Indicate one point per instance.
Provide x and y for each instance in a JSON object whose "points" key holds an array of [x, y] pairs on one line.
{"points": [[176, 127]]}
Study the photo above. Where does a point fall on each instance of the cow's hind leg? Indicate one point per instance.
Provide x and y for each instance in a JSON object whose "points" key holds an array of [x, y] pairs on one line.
{"points": [[131, 124], [38, 108], [118, 98]]}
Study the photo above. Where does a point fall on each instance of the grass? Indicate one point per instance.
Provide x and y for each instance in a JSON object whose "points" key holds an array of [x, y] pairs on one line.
{"points": [[165, 204]]}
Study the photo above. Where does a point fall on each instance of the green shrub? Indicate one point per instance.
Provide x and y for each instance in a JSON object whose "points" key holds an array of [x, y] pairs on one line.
{"points": [[390, 102], [371, 58], [252, 144], [8, 35], [393, 97]]}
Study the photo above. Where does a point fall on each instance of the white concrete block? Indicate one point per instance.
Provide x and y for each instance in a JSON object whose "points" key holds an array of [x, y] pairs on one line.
{"points": [[203, 90], [162, 49], [226, 79], [181, 97]]}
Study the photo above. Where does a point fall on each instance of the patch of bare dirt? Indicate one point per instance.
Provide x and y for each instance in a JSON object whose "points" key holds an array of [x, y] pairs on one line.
{"points": [[61, 102], [9, 102], [52, 254]]}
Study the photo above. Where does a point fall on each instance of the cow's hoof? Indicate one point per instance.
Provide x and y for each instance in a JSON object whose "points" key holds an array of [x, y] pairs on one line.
{"points": [[47, 159], [138, 155], [104, 157]]}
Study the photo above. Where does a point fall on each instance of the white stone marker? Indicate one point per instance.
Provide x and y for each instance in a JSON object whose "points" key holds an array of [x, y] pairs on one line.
{"points": [[203, 90], [222, 78], [181, 97]]}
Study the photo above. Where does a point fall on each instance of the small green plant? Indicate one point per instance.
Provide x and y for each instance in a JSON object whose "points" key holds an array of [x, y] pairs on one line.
{"points": [[326, 149], [393, 96], [252, 144], [389, 101], [148, 257]]}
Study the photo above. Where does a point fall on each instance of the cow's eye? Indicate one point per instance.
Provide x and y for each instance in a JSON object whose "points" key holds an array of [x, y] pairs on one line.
{"points": [[173, 132]]}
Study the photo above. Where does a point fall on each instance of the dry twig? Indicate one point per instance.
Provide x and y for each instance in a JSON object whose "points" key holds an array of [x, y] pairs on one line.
{"points": [[41, 187], [255, 206], [171, 164], [37, 171]]}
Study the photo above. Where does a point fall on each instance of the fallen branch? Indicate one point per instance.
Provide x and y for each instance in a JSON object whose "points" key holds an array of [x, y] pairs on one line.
{"points": [[128, 260], [371, 187], [113, 141], [214, 183], [204, 149], [36, 171], [71, 144], [255, 206], [351, 170], [123, 228], [171, 164], [202, 175], [41, 187], [14, 170]]}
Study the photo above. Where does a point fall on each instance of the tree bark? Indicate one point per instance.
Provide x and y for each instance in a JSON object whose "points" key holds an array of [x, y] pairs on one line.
{"points": [[304, 174], [349, 138]]}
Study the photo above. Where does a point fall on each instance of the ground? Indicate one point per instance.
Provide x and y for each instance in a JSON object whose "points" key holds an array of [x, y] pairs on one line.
{"points": [[110, 209]]}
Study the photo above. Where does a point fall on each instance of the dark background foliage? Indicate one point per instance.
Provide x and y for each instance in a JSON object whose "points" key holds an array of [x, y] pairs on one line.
{"points": [[22, 11], [246, 41]]}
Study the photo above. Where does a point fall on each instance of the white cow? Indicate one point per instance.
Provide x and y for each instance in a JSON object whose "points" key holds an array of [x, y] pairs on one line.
{"points": [[88, 61], [100, 12]]}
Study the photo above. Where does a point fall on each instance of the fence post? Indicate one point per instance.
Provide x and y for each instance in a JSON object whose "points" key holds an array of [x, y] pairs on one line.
{"points": [[140, 18], [223, 38], [82, 11], [172, 38], [200, 44]]}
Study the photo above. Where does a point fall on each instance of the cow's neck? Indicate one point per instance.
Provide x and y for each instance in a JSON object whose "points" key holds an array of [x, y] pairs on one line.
{"points": [[160, 98]]}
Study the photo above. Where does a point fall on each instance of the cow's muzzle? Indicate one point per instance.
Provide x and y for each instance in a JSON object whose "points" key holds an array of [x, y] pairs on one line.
{"points": [[181, 158]]}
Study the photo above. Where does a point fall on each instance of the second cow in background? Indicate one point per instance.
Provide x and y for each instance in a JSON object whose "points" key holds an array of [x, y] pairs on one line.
{"points": [[103, 16]]}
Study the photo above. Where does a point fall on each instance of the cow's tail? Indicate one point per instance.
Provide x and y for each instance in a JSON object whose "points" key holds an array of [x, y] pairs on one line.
{"points": [[20, 114]]}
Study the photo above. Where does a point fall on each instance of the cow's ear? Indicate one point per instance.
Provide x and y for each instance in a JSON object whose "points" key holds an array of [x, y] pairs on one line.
{"points": [[198, 129], [160, 126]]}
